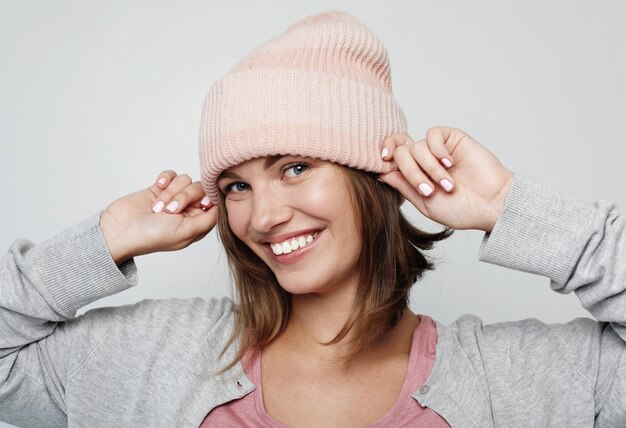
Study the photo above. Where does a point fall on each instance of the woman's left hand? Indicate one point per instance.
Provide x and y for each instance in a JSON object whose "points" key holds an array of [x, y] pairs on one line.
{"points": [[449, 177]]}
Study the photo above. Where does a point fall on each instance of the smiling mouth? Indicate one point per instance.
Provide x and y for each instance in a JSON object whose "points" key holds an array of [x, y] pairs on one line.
{"points": [[293, 244]]}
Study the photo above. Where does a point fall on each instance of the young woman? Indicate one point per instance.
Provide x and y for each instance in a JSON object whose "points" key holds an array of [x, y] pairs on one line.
{"points": [[305, 163]]}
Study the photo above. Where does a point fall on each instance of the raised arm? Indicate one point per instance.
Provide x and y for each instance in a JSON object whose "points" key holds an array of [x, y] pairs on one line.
{"points": [[42, 286], [579, 247]]}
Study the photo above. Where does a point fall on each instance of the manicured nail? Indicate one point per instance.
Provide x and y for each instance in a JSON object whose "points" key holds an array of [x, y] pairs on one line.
{"points": [[446, 184], [384, 153], [161, 181], [205, 201], [446, 162], [158, 207], [425, 189], [171, 207]]}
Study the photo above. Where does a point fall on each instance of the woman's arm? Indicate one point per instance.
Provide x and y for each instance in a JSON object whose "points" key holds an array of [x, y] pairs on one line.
{"points": [[47, 283], [580, 247], [42, 286]]}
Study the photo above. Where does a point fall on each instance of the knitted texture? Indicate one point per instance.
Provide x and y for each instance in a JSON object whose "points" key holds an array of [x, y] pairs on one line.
{"points": [[322, 89]]}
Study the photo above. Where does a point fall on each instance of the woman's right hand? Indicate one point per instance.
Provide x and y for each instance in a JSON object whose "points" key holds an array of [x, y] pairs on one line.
{"points": [[134, 225]]}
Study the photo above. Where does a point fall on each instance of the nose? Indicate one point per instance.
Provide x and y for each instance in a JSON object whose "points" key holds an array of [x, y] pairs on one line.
{"points": [[270, 209]]}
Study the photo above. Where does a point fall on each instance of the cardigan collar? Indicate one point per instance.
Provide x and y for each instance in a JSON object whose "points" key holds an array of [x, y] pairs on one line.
{"points": [[455, 388]]}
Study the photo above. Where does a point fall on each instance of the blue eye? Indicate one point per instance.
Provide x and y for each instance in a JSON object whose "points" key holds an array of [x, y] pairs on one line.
{"points": [[297, 168], [235, 187]]}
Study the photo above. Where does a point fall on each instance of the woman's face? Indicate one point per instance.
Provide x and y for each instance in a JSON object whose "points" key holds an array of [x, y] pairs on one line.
{"points": [[296, 214]]}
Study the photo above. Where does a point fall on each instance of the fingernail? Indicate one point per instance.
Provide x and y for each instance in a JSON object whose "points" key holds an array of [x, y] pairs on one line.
{"points": [[425, 189], [446, 184], [158, 207], [161, 181], [205, 201], [171, 207], [384, 153], [446, 162]]}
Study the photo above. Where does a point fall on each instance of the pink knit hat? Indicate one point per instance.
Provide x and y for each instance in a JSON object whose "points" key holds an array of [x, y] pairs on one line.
{"points": [[322, 89]]}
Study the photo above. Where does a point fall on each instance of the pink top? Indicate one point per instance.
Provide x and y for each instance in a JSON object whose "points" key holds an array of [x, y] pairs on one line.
{"points": [[249, 410]]}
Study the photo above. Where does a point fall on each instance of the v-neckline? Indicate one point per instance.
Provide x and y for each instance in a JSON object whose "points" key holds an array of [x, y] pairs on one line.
{"points": [[404, 399]]}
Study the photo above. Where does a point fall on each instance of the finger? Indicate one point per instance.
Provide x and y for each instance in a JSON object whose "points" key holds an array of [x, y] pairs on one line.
{"points": [[396, 180], [164, 199], [201, 223], [164, 178], [192, 211], [430, 165], [206, 202], [412, 171], [190, 196], [437, 138], [391, 142]]}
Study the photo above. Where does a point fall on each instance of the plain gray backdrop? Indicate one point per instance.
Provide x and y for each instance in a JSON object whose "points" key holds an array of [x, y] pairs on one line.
{"points": [[96, 98]]}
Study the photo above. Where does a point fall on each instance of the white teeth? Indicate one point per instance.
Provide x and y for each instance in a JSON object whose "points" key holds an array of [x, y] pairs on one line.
{"points": [[292, 244]]}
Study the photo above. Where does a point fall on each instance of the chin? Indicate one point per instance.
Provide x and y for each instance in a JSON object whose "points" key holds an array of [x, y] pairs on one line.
{"points": [[298, 289], [318, 288]]}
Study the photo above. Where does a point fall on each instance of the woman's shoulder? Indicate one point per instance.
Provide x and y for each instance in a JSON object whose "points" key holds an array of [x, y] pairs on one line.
{"points": [[196, 307], [473, 324], [182, 311], [527, 345], [179, 320], [469, 330]]}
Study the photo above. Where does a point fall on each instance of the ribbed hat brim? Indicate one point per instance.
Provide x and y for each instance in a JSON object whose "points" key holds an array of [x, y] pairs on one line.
{"points": [[268, 112]]}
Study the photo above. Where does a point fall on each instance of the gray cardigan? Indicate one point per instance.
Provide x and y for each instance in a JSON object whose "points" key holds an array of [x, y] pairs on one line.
{"points": [[151, 363]]}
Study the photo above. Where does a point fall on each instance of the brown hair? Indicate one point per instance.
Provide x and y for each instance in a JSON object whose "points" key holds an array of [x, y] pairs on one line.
{"points": [[391, 261]]}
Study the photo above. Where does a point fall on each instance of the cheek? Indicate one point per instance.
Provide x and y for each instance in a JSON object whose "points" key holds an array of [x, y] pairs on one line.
{"points": [[332, 202], [327, 194], [238, 220]]}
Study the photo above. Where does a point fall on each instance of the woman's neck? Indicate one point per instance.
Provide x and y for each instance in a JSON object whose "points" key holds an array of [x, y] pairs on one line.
{"points": [[319, 317], [316, 319]]}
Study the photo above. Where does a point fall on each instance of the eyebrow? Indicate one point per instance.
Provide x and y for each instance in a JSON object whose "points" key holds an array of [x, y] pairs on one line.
{"points": [[271, 160]]}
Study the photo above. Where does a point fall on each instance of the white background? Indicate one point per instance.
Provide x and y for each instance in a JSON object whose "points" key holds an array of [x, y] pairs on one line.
{"points": [[96, 98]]}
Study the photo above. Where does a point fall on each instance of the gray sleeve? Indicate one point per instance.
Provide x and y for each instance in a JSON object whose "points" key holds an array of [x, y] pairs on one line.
{"points": [[41, 288], [580, 248]]}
